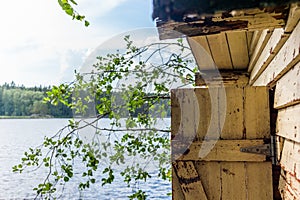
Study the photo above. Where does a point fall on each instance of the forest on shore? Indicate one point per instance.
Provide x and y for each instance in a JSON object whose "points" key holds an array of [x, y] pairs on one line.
{"points": [[20, 101]]}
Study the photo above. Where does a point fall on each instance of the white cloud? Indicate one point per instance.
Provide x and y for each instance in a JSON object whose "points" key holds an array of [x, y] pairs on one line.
{"points": [[39, 43]]}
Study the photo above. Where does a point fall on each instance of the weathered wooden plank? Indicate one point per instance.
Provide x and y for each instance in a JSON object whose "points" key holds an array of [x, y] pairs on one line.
{"points": [[234, 122], [176, 188], [287, 91], [220, 51], [222, 78], [259, 180], [294, 183], [221, 150], [257, 114], [244, 19], [189, 180], [201, 52], [275, 42], [255, 38], [233, 180], [293, 17], [290, 161], [249, 35], [263, 19], [206, 105], [210, 175], [289, 187], [285, 59], [288, 123], [185, 113], [238, 48], [261, 43]]}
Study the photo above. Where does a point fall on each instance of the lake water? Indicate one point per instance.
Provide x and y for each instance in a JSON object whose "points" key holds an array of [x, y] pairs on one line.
{"points": [[17, 135]]}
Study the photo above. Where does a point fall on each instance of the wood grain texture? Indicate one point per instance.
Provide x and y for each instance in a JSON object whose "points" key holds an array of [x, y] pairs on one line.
{"points": [[287, 91], [288, 123], [255, 39], [224, 172], [259, 46], [206, 104], [238, 19], [222, 79], [185, 113], [286, 58], [220, 51], [189, 180], [234, 122], [275, 42], [259, 179], [210, 174], [222, 150], [289, 187], [257, 115], [249, 35], [176, 188], [238, 48], [201, 52], [290, 161], [233, 180]]}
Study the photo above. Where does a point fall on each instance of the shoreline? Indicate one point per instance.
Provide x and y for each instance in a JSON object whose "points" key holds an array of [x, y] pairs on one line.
{"points": [[30, 117]]}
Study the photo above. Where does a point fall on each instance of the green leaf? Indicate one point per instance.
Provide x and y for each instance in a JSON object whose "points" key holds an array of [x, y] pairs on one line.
{"points": [[66, 179], [73, 2], [86, 23]]}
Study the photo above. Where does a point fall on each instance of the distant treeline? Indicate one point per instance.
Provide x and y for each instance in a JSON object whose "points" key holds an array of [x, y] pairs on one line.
{"points": [[28, 101]]}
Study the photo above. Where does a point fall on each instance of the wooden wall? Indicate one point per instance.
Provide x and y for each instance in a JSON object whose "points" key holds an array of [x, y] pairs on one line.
{"points": [[281, 70]]}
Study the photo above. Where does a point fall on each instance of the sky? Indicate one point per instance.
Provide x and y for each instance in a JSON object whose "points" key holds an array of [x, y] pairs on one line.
{"points": [[41, 45]]}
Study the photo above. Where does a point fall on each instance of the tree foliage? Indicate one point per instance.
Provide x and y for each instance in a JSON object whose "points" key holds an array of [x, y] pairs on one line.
{"points": [[68, 7], [119, 85], [21, 101]]}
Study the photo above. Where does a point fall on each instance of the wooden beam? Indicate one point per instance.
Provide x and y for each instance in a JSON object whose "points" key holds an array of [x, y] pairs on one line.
{"points": [[286, 58], [288, 123], [240, 19], [221, 150], [275, 42], [287, 91], [189, 180], [218, 78]]}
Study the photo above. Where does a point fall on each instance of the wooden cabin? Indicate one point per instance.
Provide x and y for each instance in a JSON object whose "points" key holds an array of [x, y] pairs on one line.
{"points": [[236, 135]]}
